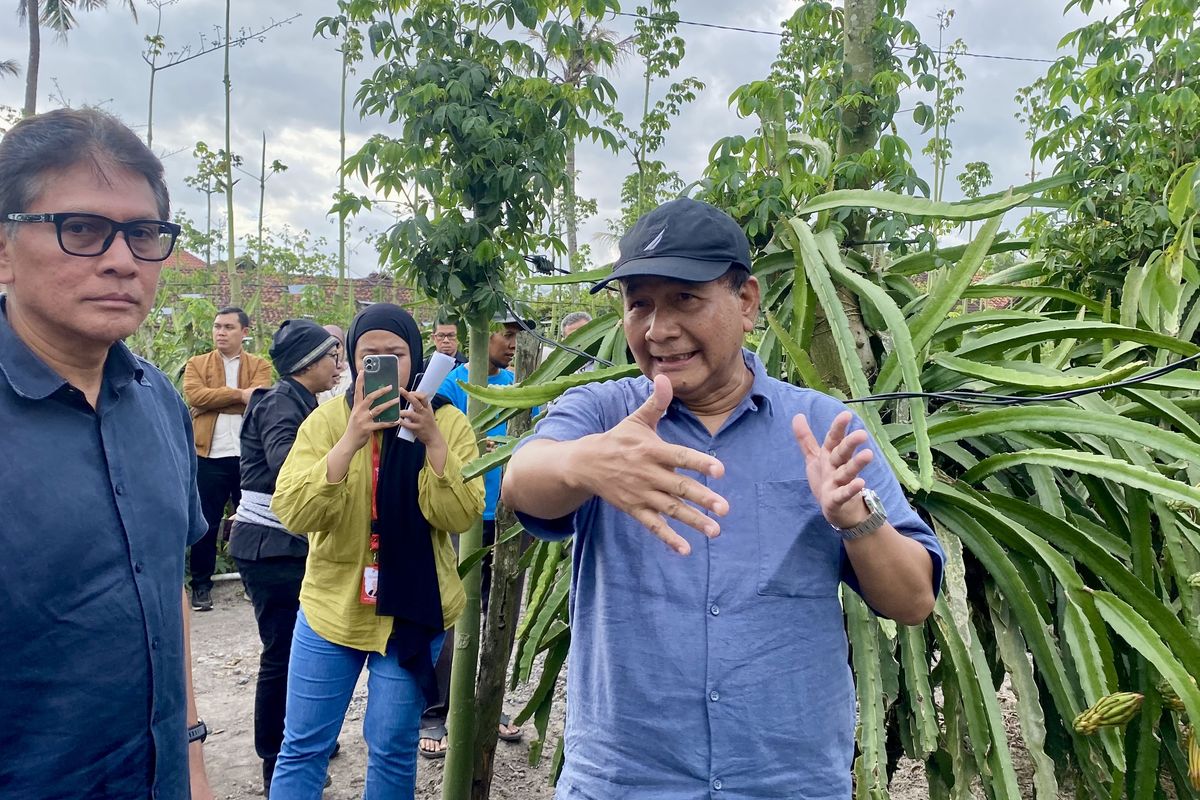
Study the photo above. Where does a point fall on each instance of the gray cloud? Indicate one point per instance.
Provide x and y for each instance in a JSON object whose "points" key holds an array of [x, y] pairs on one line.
{"points": [[287, 86]]}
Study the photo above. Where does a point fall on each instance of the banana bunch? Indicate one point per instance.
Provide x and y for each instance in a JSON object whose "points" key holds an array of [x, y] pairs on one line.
{"points": [[1191, 746], [1110, 710]]}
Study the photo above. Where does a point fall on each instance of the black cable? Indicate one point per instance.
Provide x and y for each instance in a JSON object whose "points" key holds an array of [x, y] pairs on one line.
{"points": [[520, 320], [968, 54], [987, 398]]}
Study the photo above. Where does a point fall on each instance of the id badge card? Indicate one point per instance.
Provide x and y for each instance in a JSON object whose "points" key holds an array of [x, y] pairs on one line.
{"points": [[370, 585]]}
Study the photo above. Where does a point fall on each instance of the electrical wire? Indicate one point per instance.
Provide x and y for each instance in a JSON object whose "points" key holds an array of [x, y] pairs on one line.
{"points": [[520, 320], [987, 398], [967, 54]]}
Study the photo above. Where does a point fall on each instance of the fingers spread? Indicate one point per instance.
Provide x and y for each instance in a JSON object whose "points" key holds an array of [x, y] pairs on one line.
{"points": [[837, 430]]}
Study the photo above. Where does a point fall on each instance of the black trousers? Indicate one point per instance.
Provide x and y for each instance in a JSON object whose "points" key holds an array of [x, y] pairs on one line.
{"points": [[274, 588], [219, 483]]}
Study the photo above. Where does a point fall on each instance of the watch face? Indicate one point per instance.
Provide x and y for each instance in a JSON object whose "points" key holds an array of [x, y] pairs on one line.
{"points": [[872, 500]]}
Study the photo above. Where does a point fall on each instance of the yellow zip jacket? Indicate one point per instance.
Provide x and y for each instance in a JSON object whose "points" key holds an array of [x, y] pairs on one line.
{"points": [[337, 519]]}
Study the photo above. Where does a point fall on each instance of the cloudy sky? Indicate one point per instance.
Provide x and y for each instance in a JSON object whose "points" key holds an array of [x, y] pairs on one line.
{"points": [[287, 87]]}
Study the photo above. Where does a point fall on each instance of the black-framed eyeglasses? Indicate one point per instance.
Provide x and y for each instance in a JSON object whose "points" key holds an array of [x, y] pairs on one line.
{"points": [[91, 234]]}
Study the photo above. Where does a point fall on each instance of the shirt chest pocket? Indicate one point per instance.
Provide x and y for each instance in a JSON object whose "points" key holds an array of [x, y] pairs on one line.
{"points": [[799, 554]]}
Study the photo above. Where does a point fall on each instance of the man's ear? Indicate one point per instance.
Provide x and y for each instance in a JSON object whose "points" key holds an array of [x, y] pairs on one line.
{"points": [[7, 268], [750, 297]]}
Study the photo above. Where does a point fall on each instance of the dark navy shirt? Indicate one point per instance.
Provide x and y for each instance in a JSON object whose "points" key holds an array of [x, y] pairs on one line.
{"points": [[96, 508], [722, 674]]}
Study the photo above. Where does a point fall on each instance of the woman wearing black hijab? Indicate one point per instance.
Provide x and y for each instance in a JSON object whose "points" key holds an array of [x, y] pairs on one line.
{"points": [[381, 585]]}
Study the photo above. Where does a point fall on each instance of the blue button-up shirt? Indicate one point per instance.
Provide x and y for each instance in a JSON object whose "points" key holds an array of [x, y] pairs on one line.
{"points": [[96, 508], [722, 674]]}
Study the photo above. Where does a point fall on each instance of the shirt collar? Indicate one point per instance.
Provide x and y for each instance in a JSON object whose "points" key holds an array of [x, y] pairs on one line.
{"points": [[33, 379]]}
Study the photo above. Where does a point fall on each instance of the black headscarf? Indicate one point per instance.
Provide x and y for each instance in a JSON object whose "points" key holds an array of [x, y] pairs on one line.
{"points": [[408, 582]]}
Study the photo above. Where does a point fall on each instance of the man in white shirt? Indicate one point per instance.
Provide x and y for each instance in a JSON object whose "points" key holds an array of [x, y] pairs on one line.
{"points": [[217, 386]]}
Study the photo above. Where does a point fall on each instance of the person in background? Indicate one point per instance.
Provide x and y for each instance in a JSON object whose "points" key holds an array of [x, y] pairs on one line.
{"points": [[270, 558], [217, 386], [97, 476], [445, 340], [343, 377], [774, 495], [573, 322], [502, 346], [381, 584]]}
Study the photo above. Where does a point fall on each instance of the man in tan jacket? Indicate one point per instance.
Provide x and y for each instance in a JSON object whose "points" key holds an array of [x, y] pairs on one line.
{"points": [[217, 386]]}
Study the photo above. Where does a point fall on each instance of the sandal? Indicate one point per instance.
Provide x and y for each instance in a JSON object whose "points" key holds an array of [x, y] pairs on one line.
{"points": [[436, 733], [505, 722]]}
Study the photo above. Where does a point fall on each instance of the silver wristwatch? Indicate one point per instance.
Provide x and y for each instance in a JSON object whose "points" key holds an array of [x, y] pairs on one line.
{"points": [[878, 516]]}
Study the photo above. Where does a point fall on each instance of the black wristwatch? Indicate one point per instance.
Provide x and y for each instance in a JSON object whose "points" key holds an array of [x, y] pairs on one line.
{"points": [[198, 732]]}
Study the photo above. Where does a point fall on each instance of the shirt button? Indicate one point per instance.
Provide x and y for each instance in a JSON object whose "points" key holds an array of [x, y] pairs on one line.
{"points": [[714, 695], [137, 566], [716, 784], [154, 645], [715, 610], [712, 453], [120, 489]]}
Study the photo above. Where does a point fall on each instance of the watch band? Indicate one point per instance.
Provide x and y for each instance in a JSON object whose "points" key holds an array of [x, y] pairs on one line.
{"points": [[876, 519], [197, 732]]}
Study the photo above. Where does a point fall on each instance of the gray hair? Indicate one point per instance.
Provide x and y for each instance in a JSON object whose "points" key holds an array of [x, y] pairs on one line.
{"points": [[574, 318], [38, 146]]}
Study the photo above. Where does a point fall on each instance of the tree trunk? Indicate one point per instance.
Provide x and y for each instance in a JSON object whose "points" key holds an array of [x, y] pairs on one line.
{"points": [[235, 287], [460, 758], [857, 136], [33, 18], [569, 211], [343, 288], [503, 608]]}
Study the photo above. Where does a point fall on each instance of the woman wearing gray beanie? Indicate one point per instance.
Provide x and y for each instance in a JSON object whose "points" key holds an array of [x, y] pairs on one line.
{"points": [[269, 557]]}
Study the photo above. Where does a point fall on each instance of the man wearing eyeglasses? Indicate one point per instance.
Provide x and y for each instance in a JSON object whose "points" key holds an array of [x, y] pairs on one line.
{"points": [[97, 475], [445, 340], [217, 386]]}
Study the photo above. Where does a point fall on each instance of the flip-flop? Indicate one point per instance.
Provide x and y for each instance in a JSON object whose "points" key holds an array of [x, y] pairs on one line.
{"points": [[435, 733], [506, 720]]}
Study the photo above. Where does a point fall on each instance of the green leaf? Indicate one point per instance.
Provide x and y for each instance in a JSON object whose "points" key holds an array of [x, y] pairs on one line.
{"points": [[870, 768], [939, 302], [588, 276], [528, 394], [799, 359], [928, 260], [913, 206], [469, 562], [1030, 376], [905, 350], [1052, 330], [1122, 472]]}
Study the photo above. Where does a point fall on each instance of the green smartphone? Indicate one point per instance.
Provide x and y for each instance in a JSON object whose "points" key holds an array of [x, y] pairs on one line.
{"points": [[379, 371]]}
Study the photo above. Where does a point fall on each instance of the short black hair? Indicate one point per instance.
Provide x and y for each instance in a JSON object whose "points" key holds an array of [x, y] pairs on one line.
{"points": [[242, 316], [39, 146]]}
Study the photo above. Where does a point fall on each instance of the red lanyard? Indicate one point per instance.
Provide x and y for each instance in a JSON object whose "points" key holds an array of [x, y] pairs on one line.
{"points": [[374, 491]]}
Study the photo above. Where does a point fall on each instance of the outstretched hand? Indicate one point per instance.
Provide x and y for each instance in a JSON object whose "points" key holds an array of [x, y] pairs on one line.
{"points": [[833, 469], [632, 469]]}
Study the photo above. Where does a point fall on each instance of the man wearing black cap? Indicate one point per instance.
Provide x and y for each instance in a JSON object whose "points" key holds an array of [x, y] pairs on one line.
{"points": [[741, 646], [269, 558]]}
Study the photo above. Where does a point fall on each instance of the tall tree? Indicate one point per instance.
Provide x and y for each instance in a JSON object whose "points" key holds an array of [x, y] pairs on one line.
{"points": [[482, 138], [58, 16]]}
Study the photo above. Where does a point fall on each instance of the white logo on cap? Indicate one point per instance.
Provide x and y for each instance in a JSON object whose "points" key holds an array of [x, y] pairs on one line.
{"points": [[655, 241]]}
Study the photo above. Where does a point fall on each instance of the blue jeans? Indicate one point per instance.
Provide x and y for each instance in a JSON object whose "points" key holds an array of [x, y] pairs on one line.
{"points": [[321, 679]]}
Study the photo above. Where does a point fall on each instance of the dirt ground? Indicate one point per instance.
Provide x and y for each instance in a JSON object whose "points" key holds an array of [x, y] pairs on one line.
{"points": [[226, 648]]}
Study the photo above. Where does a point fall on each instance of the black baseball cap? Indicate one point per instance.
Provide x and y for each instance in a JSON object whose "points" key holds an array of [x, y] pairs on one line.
{"points": [[684, 239]]}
